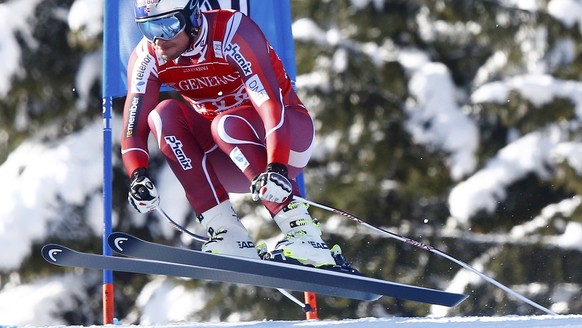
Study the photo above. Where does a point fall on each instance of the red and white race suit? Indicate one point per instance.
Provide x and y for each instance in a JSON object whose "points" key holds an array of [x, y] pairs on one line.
{"points": [[240, 111]]}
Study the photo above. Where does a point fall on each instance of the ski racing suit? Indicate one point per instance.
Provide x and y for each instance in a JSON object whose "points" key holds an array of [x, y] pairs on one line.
{"points": [[239, 113]]}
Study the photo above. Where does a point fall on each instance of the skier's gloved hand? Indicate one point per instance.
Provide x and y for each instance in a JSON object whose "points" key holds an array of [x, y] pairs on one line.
{"points": [[272, 185], [143, 195]]}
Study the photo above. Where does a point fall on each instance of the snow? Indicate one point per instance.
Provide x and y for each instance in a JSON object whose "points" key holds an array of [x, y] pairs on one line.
{"points": [[572, 237], [435, 102], [569, 12], [572, 321], [487, 186], [35, 303], [163, 302], [68, 171], [41, 175], [537, 88], [569, 321], [11, 25], [86, 17]]}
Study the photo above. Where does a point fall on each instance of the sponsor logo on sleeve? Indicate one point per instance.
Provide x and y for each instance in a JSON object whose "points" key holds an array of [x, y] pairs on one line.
{"points": [[233, 50], [132, 116], [140, 74], [256, 90], [176, 146]]}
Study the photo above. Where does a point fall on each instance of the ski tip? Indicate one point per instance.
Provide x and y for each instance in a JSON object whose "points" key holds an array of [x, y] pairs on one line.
{"points": [[117, 234], [51, 252], [375, 297], [118, 241], [451, 300], [462, 297]]}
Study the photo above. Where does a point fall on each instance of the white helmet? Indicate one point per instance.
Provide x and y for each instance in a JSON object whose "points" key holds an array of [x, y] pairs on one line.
{"points": [[146, 9], [188, 12]]}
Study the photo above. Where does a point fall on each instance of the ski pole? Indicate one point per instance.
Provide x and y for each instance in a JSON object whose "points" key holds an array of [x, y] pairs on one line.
{"points": [[428, 248], [181, 228], [305, 307]]}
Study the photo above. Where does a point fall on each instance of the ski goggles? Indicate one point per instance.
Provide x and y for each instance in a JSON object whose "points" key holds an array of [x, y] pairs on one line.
{"points": [[165, 28]]}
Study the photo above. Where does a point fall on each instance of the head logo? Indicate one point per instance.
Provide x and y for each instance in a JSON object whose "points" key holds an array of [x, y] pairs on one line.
{"points": [[118, 241], [53, 252]]}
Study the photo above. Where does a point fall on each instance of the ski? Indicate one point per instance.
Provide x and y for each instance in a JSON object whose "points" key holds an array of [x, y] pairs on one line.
{"points": [[173, 261], [64, 256], [300, 278]]}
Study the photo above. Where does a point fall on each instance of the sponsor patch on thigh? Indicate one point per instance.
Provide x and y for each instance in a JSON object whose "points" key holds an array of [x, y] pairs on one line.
{"points": [[239, 159]]}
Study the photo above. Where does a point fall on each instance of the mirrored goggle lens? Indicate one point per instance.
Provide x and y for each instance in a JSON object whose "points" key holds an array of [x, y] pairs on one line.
{"points": [[165, 28]]}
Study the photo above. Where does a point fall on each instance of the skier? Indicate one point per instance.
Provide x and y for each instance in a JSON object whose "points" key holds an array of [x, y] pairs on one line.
{"points": [[239, 126]]}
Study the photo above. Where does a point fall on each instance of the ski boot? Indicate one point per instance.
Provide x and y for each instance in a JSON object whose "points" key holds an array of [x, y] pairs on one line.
{"points": [[227, 235], [302, 243]]}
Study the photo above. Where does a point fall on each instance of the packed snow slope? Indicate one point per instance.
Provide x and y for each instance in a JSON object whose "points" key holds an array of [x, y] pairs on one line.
{"points": [[569, 321]]}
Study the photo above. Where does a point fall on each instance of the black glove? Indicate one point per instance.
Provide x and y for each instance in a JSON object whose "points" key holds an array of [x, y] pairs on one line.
{"points": [[272, 185], [143, 195]]}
